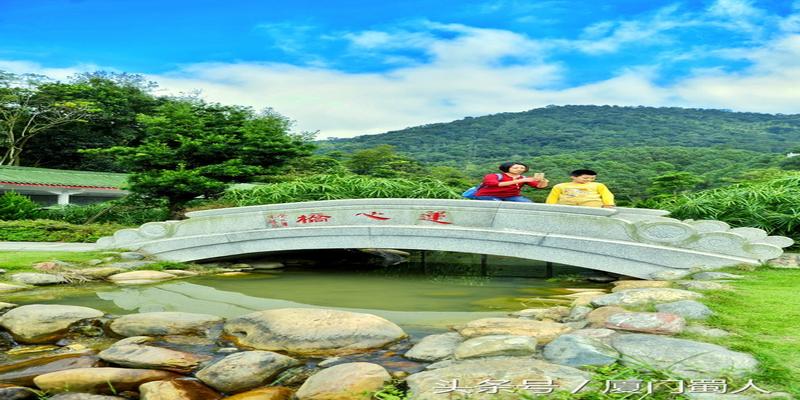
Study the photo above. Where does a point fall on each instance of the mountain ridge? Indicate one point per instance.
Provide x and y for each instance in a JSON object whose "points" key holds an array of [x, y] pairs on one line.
{"points": [[555, 130]]}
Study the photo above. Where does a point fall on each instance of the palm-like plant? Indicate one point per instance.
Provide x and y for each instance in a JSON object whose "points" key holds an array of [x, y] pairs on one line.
{"points": [[331, 187], [772, 205]]}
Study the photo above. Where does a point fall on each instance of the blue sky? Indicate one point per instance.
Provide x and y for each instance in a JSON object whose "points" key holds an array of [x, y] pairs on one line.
{"points": [[352, 67]]}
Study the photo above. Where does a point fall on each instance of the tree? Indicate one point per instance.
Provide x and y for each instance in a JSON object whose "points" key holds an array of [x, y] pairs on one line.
{"points": [[196, 149], [792, 160], [117, 100], [382, 161], [26, 111], [673, 183]]}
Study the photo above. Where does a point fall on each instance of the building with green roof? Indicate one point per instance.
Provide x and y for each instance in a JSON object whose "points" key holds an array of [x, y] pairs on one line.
{"points": [[62, 187]]}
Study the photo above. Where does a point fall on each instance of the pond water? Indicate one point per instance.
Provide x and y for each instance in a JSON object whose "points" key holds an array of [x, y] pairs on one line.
{"points": [[420, 304]]}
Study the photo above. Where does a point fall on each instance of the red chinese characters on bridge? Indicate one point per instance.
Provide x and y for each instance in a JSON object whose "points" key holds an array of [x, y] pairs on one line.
{"points": [[438, 217], [374, 215], [277, 220], [313, 218]]}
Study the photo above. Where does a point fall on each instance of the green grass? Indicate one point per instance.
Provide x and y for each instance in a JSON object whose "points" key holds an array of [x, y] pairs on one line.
{"points": [[763, 314], [22, 261], [42, 230]]}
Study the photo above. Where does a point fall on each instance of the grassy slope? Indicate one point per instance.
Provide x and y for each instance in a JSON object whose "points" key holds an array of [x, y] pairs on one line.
{"points": [[21, 261], [763, 313]]}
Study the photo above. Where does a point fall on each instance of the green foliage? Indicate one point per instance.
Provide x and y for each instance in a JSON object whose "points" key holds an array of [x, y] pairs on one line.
{"points": [[762, 313], [126, 211], [629, 172], [395, 390], [673, 183], [24, 260], [333, 187], [382, 161], [772, 205], [790, 163], [27, 110], [196, 149], [116, 98], [567, 129], [304, 166], [14, 206], [42, 230]]}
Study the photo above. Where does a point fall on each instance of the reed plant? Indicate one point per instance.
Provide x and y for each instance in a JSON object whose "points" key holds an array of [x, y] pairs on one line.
{"points": [[772, 204], [334, 187]]}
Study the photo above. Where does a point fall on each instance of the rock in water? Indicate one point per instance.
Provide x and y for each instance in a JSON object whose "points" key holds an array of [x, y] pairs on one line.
{"points": [[42, 323], [99, 380], [312, 331], [348, 381]]}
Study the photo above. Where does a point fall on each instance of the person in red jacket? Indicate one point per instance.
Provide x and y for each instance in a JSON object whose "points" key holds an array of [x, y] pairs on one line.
{"points": [[508, 186]]}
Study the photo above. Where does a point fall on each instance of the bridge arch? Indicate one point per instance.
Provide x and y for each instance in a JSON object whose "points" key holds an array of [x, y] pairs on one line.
{"points": [[633, 242]]}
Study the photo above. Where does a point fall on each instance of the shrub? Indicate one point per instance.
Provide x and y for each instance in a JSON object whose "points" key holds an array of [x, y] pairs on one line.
{"points": [[333, 187], [14, 206], [42, 230], [772, 205], [123, 211]]}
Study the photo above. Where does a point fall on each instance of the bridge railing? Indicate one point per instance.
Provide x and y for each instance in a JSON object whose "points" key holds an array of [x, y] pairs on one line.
{"points": [[638, 233]]}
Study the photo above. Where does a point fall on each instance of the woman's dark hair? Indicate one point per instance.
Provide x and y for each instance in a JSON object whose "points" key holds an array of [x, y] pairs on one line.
{"points": [[506, 165], [579, 172]]}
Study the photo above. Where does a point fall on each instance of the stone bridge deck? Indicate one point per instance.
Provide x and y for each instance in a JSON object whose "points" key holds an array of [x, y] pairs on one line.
{"points": [[634, 242]]}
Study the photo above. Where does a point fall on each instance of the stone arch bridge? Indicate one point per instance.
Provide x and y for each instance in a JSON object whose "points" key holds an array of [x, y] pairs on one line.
{"points": [[627, 241]]}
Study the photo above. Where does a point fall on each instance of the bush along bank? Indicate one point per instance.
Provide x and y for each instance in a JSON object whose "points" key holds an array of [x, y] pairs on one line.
{"points": [[604, 345]]}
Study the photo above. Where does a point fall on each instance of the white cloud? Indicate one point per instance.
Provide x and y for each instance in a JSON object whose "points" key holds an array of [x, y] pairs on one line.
{"points": [[473, 71], [769, 85], [24, 67], [464, 78]]}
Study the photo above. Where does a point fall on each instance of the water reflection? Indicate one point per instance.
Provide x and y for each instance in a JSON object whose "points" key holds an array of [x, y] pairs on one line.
{"points": [[191, 297], [418, 303]]}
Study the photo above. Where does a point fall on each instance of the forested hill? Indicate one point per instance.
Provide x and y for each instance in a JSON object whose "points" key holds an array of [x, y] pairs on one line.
{"points": [[565, 129]]}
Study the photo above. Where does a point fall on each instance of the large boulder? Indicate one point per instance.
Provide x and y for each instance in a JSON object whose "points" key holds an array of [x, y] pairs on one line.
{"points": [[138, 277], [266, 393], [165, 323], [431, 385], [7, 288], [685, 358], [312, 331], [688, 309], [597, 317], [245, 370], [670, 274], [640, 297], [586, 300], [704, 285], [99, 380], [179, 389], [348, 381], [647, 322], [22, 372], [6, 306], [98, 272], [556, 313], [435, 347], [38, 279], [151, 357], [83, 396], [543, 331], [707, 276], [42, 323], [11, 392], [496, 345], [625, 285], [581, 348]]}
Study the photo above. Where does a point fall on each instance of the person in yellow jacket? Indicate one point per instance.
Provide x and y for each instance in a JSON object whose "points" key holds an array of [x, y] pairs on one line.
{"points": [[582, 191]]}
